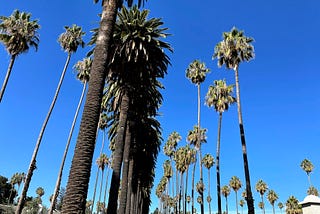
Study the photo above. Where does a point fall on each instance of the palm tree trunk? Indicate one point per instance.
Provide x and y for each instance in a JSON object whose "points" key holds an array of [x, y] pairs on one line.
{"points": [[58, 183], [118, 155], [129, 193], [101, 184], [192, 190], [237, 202], [200, 155], [32, 165], [95, 189], [263, 210], [4, 85], [209, 202], [77, 187], [227, 205], [273, 211], [218, 164], [106, 187], [125, 171], [186, 190], [250, 201]]}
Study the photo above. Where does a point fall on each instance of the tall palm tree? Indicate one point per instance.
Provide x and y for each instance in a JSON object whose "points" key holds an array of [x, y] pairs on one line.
{"points": [[18, 33], [225, 191], [231, 51], [235, 184], [292, 206], [69, 41], [77, 187], [102, 161], [83, 68], [307, 166], [192, 138], [280, 205], [261, 188], [208, 162], [272, 198], [196, 73], [219, 96]]}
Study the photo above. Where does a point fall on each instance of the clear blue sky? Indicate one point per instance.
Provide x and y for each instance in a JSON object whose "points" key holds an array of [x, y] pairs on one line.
{"points": [[278, 89]]}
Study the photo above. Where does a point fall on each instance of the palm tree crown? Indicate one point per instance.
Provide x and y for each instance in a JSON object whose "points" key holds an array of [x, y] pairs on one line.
{"points": [[219, 96], [196, 72], [233, 49], [18, 32], [83, 69], [71, 39]]}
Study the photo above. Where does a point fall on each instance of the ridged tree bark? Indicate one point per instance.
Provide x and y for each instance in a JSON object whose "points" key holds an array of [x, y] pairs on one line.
{"points": [[32, 165], [77, 187]]}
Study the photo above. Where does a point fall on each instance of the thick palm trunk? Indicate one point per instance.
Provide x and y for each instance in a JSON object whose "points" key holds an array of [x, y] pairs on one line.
{"points": [[77, 187], [58, 183], [125, 171], [218, 164], [129, 192], [32, 165], [250, 201], [200, 155], [5, 82], [118, 155]]}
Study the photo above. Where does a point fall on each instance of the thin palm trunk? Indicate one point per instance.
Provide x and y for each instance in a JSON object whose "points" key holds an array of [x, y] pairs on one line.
{"points": [[218, 164], [249, 198], [101, 184], [273, 211], [106, 187], [186, 190], [5, 82], [192, 190], [95, 190], [125, 171], [58, 183], [177, 191], [32, 165], [129, 193], [118, 155], [227, 205], [209, 203], [237, 202], [77, 187], [263, 210], [200, 155]]}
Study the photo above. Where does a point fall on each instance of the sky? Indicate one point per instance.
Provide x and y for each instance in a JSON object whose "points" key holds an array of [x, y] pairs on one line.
{"points": [[278, 87]]}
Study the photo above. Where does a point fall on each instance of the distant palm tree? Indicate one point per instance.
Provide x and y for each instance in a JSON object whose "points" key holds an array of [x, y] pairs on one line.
{"points": [[280, 205], [231, 51], [292, 206], [313, 191], [102, 161], [241, 203], [196, 73], [83, 69], [235, 184], [261, 188], [261, 206], [208, 162], [225, 191], [272, 198], [219, 97], [69, 41], [17, 33], [307, 166]]}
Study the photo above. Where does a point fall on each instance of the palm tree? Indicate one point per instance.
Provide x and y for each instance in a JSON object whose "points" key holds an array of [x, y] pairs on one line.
{"points": [[313, 191], [102, 161], [192, 138], [241, 203], [292, 206], [83, 68], [77, 187], [69, 41], [261, 206], [272, 198], [18, 33], [196, 73], [231, 51], [235, 184], [219, 96], [225, 191], [280, 205], [208, 162], [261, 188], [307, 166]]}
